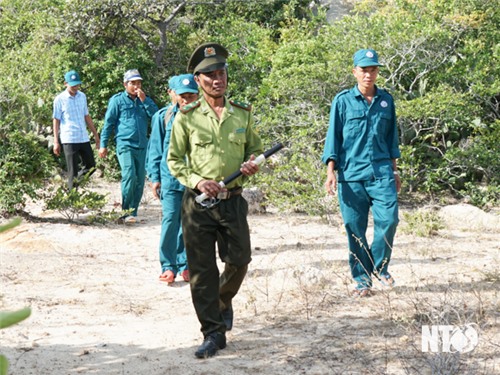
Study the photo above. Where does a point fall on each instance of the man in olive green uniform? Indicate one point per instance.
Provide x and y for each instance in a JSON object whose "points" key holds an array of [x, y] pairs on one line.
{"points": [[212, 138]]}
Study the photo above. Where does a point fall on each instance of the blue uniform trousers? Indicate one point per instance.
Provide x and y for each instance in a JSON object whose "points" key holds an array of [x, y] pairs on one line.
{"points": [[172, 252], [355, 199], [133, 167]]}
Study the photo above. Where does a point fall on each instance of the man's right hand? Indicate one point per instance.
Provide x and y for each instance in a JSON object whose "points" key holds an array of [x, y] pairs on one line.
{"points": [[210, 187], [103, 152], [331, 183], [155, 186], [57, 149]]}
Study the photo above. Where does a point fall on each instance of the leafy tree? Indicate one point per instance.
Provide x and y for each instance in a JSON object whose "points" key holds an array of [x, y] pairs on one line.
{"points": [[296, 95], [286, 60], [26, 89], [24, 164], [422, 46]]}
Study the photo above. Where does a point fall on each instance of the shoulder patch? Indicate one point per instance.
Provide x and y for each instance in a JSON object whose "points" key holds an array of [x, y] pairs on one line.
{"points": [[190, 106], [245, 106], [343, 92], [386, 92], [161, 111]]}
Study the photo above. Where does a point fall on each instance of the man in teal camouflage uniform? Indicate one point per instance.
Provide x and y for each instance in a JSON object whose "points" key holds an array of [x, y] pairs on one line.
{"points": [[360, 152], [128, 116], [183, 90]]}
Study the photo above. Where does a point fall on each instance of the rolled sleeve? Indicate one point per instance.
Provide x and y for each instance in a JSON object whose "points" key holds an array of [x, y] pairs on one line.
{"points": [[150, 106], [155, 148], [394, 137], [332, 142], [110, 121]]}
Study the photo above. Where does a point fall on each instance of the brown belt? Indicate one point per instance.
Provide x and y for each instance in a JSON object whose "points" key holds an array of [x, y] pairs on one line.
{"points": [[225, 194]]}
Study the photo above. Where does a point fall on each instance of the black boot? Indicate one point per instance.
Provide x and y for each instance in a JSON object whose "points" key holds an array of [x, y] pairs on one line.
{"points": [[213, 342], [228, 316]]}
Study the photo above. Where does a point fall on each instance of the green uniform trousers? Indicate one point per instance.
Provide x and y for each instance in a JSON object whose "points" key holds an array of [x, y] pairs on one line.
{"points": [[355, 200], [225, 224]]}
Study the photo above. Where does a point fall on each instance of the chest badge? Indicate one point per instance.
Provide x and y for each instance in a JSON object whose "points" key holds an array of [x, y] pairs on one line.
{"points": [[383, 104]]}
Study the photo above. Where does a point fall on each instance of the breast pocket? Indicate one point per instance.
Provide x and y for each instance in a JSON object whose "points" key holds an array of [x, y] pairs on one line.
{"points": [[354, 123], [128, 110], [383, 123], [237, 144], [203, 146]]}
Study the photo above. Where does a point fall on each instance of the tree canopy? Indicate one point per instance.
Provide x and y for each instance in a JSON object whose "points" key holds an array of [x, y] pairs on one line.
{"points": [[440, 64]]}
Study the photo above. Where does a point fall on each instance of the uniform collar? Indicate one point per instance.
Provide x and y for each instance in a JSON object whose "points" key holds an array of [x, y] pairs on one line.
{"points": [[358, 93], [205, 108], [126, 95]]}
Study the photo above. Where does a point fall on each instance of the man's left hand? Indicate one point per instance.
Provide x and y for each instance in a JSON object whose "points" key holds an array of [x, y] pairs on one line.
{"points": [[249, 168], [398, 182]]}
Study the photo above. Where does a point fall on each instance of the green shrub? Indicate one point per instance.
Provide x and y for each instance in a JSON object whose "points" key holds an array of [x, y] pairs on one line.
{"points": [[8, 318], [24, 164], [422, 223], [71, 203]]}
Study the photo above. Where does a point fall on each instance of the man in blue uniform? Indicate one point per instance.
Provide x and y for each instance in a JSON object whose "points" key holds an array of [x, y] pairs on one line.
{"points": [[360, 152], [183, 90], [128, 116]]}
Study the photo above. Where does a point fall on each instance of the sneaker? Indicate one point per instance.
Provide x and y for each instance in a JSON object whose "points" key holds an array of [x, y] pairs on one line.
{"points": [[185, 275], [213, 342], [387, 280], [167, 277]]}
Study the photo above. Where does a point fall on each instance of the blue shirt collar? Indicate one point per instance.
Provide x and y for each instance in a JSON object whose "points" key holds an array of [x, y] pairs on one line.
{"points": [[358, 93]]}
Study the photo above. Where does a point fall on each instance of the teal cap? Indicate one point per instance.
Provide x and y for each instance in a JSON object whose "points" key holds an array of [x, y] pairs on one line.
{"points": [[185, 83], [72, 78], [366, 57], [172, 82]]}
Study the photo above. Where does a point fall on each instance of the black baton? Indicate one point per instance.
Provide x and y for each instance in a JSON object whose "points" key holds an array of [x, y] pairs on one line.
{"points": [[233, 176]]}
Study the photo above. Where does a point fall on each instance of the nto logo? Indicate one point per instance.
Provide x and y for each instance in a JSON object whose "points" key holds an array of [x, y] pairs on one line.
{"points": [[449, 339]]}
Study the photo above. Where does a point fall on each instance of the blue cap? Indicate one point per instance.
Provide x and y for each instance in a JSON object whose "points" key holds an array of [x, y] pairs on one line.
{"points": [[132, 75], [185, 83], [72, 78], [366, 57], [172, 82]]}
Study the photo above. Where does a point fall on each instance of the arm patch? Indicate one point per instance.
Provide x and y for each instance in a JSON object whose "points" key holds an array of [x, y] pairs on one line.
{"points": [[245, 106], [190, 106]]}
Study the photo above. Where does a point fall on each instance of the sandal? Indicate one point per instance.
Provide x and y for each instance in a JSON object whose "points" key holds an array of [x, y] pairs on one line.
{"points": [[167, 277], [387, 280], [185, 275], [362, 291]]}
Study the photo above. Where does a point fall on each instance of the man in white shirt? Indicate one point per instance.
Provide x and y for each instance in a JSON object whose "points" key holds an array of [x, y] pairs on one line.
{"points": [[70, 121]]}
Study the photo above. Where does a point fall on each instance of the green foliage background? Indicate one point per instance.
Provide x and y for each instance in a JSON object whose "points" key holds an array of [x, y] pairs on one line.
{"points": [[441, 65]]}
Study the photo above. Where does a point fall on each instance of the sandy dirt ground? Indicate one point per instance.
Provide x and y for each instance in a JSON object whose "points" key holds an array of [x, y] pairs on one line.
{"points": [[98, 307]]}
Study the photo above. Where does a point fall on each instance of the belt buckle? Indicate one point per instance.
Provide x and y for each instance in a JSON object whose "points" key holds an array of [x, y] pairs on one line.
{"points": [[209, 202], [224, 194]]}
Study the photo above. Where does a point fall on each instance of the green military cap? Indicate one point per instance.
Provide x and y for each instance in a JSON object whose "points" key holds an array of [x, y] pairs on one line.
{"points": [[207, 58]]}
